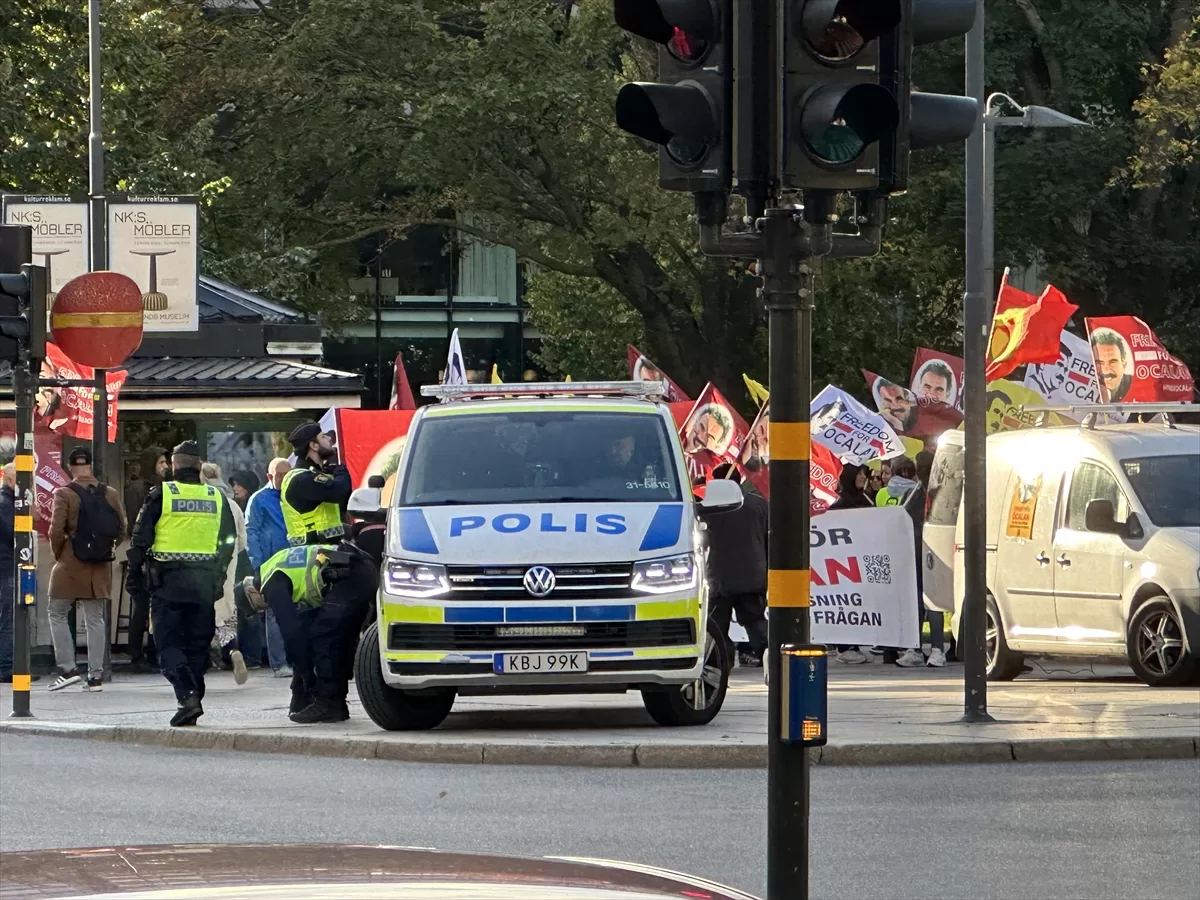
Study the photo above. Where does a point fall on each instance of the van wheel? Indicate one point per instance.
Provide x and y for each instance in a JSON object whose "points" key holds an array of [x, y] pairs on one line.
{"points": [[697, 702], [1155, 645], [1002, 664], [389, 708]]}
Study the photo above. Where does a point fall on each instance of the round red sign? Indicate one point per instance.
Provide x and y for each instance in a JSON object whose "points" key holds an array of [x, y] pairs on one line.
{"points": [[97, 319]]}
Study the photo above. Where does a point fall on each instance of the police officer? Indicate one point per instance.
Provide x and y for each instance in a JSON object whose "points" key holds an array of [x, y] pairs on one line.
{"points": [[313, 498], [179, 556]]}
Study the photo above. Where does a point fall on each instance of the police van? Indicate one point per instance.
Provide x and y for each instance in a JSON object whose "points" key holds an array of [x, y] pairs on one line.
{"points": [[1093, 541], [542, 539]]}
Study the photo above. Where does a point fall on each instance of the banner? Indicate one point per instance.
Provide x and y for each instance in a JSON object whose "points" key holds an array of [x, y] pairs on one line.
{"points": [[1011, 406], [1132, 366], [70, 410], [154, 240], [1026, 328], [713, 433], [824, 469], [370, 443], [907, 413], [642, 369], [863, 578], [402, 395], [849, 430], [60, 234], [1071, 379], [48, 476], [938, 377]]}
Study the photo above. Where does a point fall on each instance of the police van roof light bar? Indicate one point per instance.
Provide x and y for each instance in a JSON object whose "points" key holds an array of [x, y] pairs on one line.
{"points": [[644, 390]]}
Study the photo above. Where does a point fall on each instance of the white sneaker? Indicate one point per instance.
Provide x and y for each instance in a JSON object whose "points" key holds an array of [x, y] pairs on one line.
{"points": [[937, 658], [911, 659], [63, 681], [240, 674], [283, 672], [852, 657]]}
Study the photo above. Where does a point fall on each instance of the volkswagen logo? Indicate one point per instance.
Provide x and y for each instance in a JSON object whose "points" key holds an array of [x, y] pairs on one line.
{"points": [[538, 581]]}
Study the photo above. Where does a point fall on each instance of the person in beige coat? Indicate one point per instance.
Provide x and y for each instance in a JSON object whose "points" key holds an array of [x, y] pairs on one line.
{"points": [[226, 606], [87, 586]]}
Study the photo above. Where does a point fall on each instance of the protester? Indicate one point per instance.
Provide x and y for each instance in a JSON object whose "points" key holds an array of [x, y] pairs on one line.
{"points": [[225, 639], [8, 499], [87, 523], [154, 468], [915, 506], [874, 484], [902, 487], [182, 559], [852, 494], [266, 535], [896, 486], [737, 565], [243, 484]]}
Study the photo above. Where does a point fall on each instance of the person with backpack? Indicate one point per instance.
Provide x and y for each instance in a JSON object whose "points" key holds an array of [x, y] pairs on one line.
{"points": [[86, 526]]}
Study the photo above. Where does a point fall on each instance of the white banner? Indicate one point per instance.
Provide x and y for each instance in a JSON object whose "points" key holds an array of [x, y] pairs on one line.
{"points": [[60, 233], [850, 431], [154, 240], [456, 369], [863, 578]]}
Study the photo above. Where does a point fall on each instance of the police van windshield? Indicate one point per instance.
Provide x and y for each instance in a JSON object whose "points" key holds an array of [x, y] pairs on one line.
{"points": [[1169, 488], [540, 457]]}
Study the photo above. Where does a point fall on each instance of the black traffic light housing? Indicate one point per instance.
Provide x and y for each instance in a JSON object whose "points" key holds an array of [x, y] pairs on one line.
{"points": [[22, 297], [687, 112], [837, 106], [926, 120]]}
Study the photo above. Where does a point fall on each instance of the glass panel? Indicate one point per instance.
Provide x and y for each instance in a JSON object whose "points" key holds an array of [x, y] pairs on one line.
{"points": [[1169, 488]]}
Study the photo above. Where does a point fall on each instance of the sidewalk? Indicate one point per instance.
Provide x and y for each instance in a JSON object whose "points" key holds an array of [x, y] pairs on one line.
{"points": [[879, 715]]}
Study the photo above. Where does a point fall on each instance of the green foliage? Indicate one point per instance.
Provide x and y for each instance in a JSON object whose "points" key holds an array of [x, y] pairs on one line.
{"points": [[310, 124]]}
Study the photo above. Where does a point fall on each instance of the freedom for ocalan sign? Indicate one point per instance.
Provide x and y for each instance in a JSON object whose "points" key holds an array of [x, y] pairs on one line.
{"points": [[863, 578]]}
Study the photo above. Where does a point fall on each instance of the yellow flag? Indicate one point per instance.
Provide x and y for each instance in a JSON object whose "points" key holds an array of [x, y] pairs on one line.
{"points": [[758, 393], [568, 379], [495, 375], [1012, 406]]}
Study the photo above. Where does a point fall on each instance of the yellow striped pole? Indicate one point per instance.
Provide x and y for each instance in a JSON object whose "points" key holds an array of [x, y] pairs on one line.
{"points": [[24, 574]]}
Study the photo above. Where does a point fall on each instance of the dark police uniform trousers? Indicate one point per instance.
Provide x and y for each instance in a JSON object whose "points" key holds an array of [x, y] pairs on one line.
{"points": [[184, 621]]}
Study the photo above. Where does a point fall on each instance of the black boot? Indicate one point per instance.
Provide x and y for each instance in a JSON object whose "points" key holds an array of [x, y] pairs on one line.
{"points": [[302, 695], [320, 710], [189, 711]]}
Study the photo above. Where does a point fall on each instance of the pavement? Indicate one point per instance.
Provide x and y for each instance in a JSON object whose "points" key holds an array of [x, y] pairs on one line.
{"points": [[1065, 831], [878, 715]]}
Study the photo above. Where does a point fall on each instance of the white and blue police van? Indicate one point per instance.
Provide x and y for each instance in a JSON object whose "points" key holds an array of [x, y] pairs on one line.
{"points": [[542, 539]]}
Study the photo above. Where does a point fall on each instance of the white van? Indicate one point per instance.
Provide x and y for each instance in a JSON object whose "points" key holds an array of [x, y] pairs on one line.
{"points": [[543, 539], [1093, 540]]}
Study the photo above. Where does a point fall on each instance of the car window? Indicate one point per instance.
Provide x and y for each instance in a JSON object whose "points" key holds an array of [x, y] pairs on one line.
{"points": [[1092, 481], [1169, 488], [945, 485]]}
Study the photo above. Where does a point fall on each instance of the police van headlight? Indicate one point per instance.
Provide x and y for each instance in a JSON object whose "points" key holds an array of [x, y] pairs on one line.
{"points": [[411, 579], [661, 576]]}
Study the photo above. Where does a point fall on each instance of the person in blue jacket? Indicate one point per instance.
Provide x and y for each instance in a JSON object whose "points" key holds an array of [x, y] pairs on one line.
{"points": [[266, 536]]}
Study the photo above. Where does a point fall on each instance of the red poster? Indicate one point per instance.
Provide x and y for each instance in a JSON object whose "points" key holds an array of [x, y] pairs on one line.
{"points": [[48, 476], [1132, 366], [824, 469], [70, 410], [713, 433], [938, 377], [370, 443], [642, 369], [907, 413]]}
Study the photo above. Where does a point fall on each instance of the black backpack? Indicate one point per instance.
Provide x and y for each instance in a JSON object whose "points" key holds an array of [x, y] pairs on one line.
{"points": [[99, 525]]}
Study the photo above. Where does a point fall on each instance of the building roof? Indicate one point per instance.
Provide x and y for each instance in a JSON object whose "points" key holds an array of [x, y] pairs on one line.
{"points": [[220, 301]]}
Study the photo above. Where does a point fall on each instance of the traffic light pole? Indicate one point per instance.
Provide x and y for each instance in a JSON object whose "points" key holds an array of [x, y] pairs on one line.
{"points": [[24, 571], [97, 252]]}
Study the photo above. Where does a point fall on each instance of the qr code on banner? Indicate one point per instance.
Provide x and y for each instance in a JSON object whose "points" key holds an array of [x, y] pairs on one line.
{"points": [[879, 569]]}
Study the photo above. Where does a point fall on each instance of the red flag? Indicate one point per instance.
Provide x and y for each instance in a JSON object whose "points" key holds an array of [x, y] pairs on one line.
{"points": [[642, 369], [938, 376], [713, 433], [402, 395], [1026, 329], [70, 410], [1133, 367], [824, 469], [907, 413]]}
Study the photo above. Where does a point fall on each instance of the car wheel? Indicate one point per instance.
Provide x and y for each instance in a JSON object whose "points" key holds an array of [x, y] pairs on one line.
{"points": [[1002, 664], [697, 702], [1155, 644], [390, 708]]}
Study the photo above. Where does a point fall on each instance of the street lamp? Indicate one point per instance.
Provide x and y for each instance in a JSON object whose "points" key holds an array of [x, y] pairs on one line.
{"points": [[1030, 117]]}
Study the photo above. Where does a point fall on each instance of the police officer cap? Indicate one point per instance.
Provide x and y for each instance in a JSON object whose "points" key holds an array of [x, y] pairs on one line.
{"points": [[187, 448], [304, 434]]}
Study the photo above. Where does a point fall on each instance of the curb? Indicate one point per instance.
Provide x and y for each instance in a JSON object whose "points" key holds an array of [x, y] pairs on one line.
{"points": [[601, 755]]}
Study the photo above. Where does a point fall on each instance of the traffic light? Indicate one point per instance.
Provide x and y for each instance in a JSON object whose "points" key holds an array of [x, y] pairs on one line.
{"points": [[687, 112], [837, 105], [22, 297], [927, 120], [850, 116]]}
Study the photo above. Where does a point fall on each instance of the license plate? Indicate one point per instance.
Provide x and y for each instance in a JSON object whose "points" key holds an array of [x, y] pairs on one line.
{"points": [[539, 663]]}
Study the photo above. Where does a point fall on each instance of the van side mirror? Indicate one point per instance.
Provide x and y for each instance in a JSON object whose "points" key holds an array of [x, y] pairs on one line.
{"points": [[1101, 517], [367, 504], [720, 496]]}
